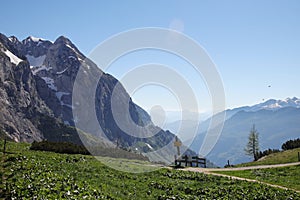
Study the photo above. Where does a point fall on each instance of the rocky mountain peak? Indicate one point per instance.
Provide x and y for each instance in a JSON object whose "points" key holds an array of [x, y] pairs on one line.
{"points": [[62, 39], [274, 104], [32, 39], [12, 45], [36, 47], [14, 39], [34, 92], [64, 44]]}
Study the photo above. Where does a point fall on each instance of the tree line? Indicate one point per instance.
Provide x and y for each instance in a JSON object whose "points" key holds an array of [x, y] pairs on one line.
{"points": [[71, 148], [252, 147], [59, 147], [291, 144]]}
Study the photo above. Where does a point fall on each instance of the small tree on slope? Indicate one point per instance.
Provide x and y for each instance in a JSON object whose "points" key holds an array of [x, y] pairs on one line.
{"points": [[252, 147]]}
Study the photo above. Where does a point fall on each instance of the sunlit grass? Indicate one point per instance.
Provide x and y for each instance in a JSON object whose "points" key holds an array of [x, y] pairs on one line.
{"points": [[45, 175], [288, 156], [284, 176]]}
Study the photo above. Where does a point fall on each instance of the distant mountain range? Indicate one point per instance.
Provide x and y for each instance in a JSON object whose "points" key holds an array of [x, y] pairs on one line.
{"points": [[271, 104], [36, 85], [276, 121]]}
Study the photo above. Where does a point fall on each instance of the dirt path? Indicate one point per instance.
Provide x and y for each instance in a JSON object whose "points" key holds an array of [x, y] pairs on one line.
{"points": [[239, 168], [212, 170]]}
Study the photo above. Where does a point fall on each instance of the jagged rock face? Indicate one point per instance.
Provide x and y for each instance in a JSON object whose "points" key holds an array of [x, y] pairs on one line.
{"points": [[31, 46], [19, 99], [55, 64], [43, 84]]}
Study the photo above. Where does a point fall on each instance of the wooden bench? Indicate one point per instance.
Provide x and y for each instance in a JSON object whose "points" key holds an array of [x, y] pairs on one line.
{"points": [[190, 161]]}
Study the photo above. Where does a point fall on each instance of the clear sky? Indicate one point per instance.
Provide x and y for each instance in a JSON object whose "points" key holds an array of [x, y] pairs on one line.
{"points": [[254, 44]]}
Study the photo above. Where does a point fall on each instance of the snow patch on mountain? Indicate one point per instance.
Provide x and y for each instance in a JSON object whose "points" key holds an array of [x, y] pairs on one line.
{"points": [[35, 61], [13, 58], [67, 105], [61, 72], [50, 82], [60, 94], [35, 70], [39, 43], [72, 57], [69, 46], [273, 104], [149, 146], [11, 39], [34, 39]]}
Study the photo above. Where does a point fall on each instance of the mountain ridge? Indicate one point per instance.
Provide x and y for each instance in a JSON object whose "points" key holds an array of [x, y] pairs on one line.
{"points": [[271, 104], [275, 124], [52, 68]]}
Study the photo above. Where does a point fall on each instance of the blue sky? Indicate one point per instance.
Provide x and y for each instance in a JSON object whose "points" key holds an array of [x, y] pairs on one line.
{"points": [[254, 44]]}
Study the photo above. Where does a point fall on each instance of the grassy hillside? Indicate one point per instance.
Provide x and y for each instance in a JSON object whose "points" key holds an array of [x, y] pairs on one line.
{"points": [[287, 156], [27, 174], [284, 176]]}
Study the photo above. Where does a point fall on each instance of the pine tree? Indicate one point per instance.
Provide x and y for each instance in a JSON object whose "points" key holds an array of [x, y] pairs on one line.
{"points": [[252, 147]]}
